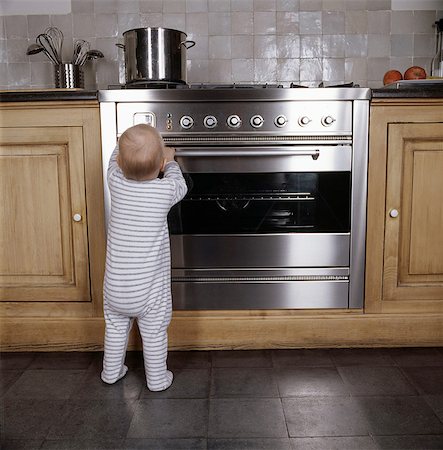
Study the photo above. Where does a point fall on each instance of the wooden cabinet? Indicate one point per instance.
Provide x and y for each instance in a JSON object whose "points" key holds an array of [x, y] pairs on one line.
{"points": [[52, 239], [44, 237], [405, 207]]}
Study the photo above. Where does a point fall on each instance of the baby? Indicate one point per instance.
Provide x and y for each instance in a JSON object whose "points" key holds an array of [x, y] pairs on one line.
{"points": [[137, 282]]}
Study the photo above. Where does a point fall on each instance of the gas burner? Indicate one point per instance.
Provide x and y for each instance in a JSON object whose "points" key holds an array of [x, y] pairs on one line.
{"points": [[235, 86], [343, 85], [296, 86], [149, 85]]}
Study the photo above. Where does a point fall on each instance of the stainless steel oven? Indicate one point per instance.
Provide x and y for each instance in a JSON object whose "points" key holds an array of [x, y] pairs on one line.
{"points": [[276, 208]]}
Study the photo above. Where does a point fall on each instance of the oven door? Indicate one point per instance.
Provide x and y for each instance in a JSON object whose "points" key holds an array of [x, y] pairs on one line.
{"points": [[262, 227]]}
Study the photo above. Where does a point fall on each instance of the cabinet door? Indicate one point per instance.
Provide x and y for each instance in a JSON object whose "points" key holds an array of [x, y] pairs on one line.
{"points": [[413, 253], [44, 252]]}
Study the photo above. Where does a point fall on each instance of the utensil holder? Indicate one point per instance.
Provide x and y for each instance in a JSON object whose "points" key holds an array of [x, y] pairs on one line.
{"points": [[68, 76]]}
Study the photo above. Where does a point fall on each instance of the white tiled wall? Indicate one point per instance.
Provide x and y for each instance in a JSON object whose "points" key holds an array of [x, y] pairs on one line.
{"points": [[241, 41]]}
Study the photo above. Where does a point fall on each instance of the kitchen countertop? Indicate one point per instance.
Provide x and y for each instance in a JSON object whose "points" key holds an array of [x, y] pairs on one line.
{"points": [[427, 88], [37, 95], [413, 92]]}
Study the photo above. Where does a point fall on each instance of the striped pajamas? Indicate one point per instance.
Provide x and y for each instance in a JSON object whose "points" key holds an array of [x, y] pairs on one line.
{"points": [[137, 281]]}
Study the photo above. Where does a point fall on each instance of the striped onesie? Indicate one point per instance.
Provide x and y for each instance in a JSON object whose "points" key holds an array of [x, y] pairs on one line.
{"points": [[137, 282]]}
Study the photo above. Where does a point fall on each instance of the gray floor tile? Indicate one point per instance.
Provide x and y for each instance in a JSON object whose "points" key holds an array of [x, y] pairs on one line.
{"points": [[324, 416], [62, 360], [363, 380], [21, 444], [7, 379], [246, 418], [188, 383], [409, 442], [241, 358], [428, 380], [134, 360], [334, 443], [309, 381], [15, 360], [243, 382], [30, 419], [436, 403], [418, 357], [174, 418], [84, 444], [130, 386], [189, 360], [41, 384], [165, 444], [250, 444], [399, 415], [361, 357], [302, 357], [94, 419]]}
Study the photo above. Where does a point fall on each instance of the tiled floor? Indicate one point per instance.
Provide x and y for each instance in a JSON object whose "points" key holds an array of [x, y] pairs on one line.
{"points": [[342, 399]]}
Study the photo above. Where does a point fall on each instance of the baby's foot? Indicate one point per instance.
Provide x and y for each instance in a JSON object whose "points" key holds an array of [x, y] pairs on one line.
{"points": [[162, 387], [121, 375]]}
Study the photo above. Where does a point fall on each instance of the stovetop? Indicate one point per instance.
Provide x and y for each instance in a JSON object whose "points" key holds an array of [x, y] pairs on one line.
{"points": [[171, 85], [231, 93]]}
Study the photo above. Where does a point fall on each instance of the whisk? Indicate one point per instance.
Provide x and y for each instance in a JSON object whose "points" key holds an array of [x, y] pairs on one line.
{"points": [[56, 37], [81, 49]]}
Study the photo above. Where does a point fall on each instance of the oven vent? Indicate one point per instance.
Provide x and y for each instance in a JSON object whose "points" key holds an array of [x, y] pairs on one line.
{"points": [[239, 139], [261, 279]]}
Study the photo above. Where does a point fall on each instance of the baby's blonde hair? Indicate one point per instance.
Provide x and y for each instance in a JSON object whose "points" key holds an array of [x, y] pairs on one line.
{"points": [[140, 152]]}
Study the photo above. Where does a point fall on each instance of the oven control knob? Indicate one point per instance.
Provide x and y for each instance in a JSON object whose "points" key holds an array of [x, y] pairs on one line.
{"points": [[303, 121], [233, 121], [210, 122], [327, 120], [280, 121], [186, 122], [257, 121]]}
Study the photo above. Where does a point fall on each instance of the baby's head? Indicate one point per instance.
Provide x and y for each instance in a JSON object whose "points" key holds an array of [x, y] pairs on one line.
{"points": [[140, 154]]}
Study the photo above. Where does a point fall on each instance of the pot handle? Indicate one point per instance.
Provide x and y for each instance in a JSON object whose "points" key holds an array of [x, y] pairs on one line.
{"points": [[188, 44], [120, 45]]}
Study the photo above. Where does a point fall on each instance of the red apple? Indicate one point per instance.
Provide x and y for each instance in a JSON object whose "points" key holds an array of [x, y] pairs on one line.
{"points": [[415, 73], [391, 76]]}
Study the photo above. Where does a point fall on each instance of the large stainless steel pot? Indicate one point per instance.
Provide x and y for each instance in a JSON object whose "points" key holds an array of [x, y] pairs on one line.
{"points": [[155, 55]]}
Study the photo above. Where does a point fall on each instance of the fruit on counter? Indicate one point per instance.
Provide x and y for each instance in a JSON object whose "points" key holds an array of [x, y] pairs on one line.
{"points": [[415, 73], [391, 76]]}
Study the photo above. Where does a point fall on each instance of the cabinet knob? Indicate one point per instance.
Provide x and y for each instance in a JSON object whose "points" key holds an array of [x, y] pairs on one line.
{"points": [[393, 213], [77, 217]]}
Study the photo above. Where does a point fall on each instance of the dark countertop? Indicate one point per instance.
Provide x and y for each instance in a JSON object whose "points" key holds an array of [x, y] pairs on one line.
{"points": [[414, 92], [48, 95]]}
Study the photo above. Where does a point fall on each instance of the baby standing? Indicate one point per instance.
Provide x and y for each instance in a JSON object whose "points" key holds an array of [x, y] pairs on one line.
{"points": [[137, 282]]}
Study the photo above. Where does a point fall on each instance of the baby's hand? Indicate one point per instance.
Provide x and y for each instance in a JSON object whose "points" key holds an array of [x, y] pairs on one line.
{"points": [[169, 154]]}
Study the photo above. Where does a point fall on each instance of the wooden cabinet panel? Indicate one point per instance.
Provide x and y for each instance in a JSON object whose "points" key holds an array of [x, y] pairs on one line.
{"points": [[413, 266], [44, 251], [404, 260]]}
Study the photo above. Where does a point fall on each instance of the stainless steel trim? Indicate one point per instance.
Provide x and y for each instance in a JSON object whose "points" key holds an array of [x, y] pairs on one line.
{"points": [[256, 250], [252, 95], [252, 295], [262, 272], [241, 139], [262, 279], [249, 152], [358, 203], [108, 122], [336, 158]]}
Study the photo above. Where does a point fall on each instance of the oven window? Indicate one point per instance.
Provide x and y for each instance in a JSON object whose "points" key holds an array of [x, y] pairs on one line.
{"points": [[232, 203]]}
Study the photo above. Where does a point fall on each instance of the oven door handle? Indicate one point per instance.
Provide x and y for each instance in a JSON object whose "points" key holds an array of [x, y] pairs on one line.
{"points": [[314, 154]]}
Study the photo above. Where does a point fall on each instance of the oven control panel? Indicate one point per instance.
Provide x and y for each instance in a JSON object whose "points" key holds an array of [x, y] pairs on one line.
{"points": [[288, 117]]}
